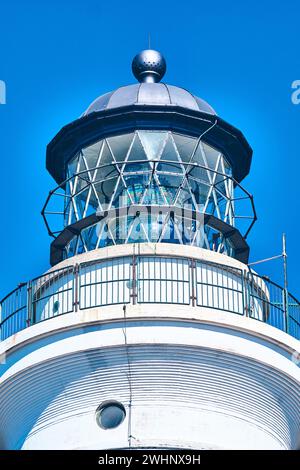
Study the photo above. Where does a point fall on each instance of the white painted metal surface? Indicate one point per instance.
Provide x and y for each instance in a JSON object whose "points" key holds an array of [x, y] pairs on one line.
{"points": [[188, 377]]}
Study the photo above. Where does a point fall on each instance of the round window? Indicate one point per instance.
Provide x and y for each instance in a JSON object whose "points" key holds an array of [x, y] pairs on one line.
{"points": [[110, 414]]}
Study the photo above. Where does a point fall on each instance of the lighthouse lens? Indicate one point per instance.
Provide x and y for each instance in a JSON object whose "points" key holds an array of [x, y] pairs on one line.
{"points": [[110, 415]]}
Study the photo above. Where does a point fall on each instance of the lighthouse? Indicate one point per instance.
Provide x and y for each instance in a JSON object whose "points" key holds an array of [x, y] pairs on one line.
{"points": [[150, 330]]}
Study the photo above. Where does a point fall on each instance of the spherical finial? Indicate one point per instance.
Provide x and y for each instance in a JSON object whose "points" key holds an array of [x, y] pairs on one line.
{"points": [[149, 66]]}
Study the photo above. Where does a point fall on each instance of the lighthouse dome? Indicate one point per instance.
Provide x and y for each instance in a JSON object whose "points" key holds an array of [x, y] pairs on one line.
{"points": [[149, 67], [156, 94]]}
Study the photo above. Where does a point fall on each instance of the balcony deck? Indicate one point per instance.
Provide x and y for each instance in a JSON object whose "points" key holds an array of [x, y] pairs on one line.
{"points": [[164, 275]]}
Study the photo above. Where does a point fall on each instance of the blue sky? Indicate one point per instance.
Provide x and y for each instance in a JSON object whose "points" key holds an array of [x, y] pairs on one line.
{"points": [[56, 57]]}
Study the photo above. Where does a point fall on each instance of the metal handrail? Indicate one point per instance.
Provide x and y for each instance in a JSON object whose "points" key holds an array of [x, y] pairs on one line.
{"points": [[252, 288], [116, 165]]}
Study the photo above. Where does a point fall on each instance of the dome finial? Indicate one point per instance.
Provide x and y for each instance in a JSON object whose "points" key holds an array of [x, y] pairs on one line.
{"points": [[149, 66]]}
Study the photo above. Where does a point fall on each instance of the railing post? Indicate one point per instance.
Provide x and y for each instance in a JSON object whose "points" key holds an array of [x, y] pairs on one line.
{"points": [[76, 302], [1, 320], [30, 310], [193, 285], [285, 295], [285, 290], [134, 281], [246, 293]]}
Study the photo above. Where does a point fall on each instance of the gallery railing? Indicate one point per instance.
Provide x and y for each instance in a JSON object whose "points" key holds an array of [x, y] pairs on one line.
{"points": [[149, 279]]}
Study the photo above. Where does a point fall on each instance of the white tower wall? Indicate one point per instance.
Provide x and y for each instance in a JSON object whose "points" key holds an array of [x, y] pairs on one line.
{"points": [[188, 376]]}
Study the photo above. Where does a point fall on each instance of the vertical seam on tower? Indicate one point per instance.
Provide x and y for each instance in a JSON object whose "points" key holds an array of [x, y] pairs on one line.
{"points": [[129, 435]]}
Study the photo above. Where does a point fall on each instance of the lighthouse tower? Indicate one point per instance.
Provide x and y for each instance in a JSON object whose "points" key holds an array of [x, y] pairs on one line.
{"points": [[150, 330]]}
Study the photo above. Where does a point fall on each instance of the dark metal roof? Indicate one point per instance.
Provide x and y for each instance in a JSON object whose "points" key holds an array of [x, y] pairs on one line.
{"points": [[150, 94], [99, 124]]}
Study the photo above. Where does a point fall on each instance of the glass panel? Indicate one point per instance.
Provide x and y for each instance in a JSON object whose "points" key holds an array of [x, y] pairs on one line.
{"points": [[170, 234], [106, 172], [105, 191], [120, 145], [136, 186], [155, 226], [152, 143], [137, 232], [82, 166], [169, 186], [221, 182], [169, 154], [153, 194], [93, 203], [199, 156], [89, 235], [187, 229], [211, 155], [92, 153], [136, 153], [106, 155], [200, 174], [184, 198], [211, 206], [102, 230], [82, 181], [227, 167], [121, 196], [71, 248], [67, 211], [199, 190], [185, 146], [120, 228], [80, 201], [73, 164], [80, 246], [130, 168]]}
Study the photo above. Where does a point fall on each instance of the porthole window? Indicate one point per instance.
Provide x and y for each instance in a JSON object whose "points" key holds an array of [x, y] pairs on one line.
{"points": [[110, 414]]}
